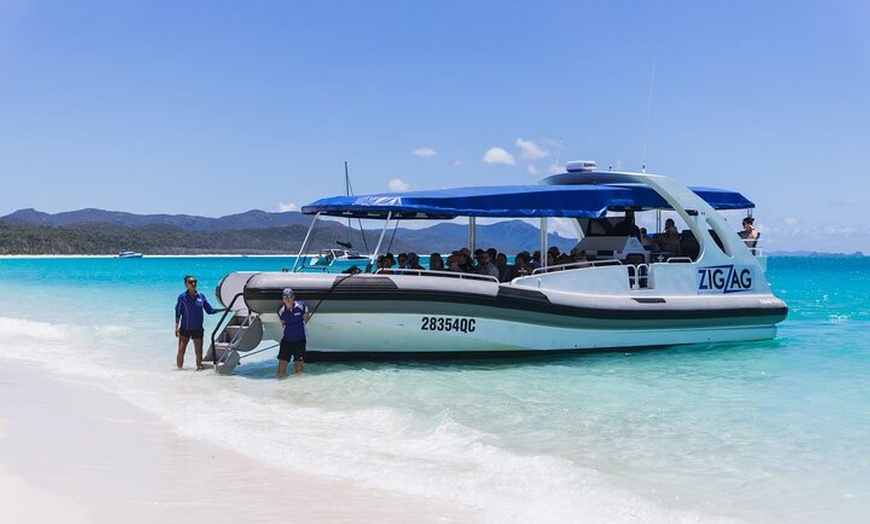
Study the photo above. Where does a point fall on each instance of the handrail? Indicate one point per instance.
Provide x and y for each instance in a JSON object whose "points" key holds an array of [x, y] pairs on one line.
{"points": [[578, 265], [435, 273], [214, 332], [752, 245], [638, 276]]}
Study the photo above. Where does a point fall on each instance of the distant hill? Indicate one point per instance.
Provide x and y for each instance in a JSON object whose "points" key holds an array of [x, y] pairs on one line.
{"points": [[254, 219], [95, 231], [509, 237]]}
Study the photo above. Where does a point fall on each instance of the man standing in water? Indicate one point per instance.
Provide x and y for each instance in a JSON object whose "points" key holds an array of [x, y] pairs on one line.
{"points": [[294, 315], [188, 321]]}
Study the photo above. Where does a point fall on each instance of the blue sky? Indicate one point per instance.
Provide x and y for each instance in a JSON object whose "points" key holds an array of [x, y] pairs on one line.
{"points": [[217, 107]]}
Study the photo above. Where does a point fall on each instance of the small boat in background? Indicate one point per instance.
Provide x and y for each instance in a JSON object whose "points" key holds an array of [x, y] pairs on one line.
{"points": [[129, 254]]}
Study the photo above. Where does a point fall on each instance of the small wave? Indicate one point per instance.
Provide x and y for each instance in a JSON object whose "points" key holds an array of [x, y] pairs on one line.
{"points": [[286, 423], [11, 328], [391, 449]]}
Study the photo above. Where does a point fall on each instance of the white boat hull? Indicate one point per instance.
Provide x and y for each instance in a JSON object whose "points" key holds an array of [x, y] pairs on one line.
{"points": [[421, 316], [371, 335]]}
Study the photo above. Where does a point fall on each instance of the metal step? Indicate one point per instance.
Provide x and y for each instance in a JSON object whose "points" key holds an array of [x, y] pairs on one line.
{"points": [[228, 364], [242, 333]]}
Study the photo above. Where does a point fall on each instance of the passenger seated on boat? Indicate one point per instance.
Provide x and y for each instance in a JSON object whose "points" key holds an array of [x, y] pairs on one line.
{"points": [[522, 266], [750, 235], [669, 240], [465, 262], [436, 263], [493, 257], [413, 261], [476, 260], [486, 265], [556, 258], [626, 227], [553, 256], [578, 255], [504, 268], [390, 259], [403, 260], [457, 262], [645, 240], [383, 262]]}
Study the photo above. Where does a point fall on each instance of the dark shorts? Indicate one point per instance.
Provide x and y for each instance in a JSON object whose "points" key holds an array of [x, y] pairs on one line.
{"points": [[192, 333], [294, 348]]}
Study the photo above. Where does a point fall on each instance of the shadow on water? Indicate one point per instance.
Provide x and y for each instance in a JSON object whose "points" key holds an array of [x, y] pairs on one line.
{"points": [[265, 369]]}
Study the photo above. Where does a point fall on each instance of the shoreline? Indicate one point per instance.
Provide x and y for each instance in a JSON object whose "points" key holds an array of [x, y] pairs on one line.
{"points": [[200, 255], [73, 452]]}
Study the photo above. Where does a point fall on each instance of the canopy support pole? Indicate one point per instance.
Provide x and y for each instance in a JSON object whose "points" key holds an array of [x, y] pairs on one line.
{"points": [[305, 242], [472, 234], [373, 260], [543, 241]]}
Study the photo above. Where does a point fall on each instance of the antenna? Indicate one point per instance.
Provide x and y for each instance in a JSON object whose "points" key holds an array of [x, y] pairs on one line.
{"points": [[558, 154], [348, 191], [652, 83]]}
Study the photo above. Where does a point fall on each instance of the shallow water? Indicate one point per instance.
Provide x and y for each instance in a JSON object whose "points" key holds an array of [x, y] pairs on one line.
{"points": [[754, 432]]}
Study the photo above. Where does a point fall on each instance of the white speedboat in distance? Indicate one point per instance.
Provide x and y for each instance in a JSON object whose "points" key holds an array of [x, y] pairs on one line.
{"points": [[331, 256], [128, 254], [625, 295]]}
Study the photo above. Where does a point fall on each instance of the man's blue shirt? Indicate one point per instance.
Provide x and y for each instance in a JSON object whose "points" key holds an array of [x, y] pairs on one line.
{"points": [[189, 310]]}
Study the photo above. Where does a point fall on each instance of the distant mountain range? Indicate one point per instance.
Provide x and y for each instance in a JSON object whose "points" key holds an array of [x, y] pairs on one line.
{"points": [[254, 219], [96, 231]]}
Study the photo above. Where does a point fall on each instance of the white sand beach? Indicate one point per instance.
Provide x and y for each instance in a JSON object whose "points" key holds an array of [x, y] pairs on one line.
{"points": [[71, 452]]}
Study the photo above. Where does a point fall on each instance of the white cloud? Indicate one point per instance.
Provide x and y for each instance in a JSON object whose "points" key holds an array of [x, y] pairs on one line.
{"points": [[790, 221], [497, 155], [531, 150], [287, 207], [532, 169], [397, 184], [457, 163], [425, 151]]}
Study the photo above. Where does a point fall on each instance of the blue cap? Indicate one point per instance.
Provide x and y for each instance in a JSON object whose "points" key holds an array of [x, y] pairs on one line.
{"points": [[287, 293]]}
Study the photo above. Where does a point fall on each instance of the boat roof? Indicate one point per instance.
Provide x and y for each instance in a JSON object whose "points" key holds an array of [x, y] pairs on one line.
{"points": [[522, 201]]}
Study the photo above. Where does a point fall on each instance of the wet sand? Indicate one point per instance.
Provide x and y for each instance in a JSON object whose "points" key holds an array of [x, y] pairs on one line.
{"points": [[71, 452]]}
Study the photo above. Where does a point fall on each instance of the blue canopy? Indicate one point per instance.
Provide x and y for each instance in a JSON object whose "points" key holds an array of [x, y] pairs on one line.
{"points": [[579, 201], [723, 198]]}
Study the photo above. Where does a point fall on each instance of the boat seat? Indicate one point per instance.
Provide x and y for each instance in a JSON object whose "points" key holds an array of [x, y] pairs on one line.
{"points": [[689, 246]]}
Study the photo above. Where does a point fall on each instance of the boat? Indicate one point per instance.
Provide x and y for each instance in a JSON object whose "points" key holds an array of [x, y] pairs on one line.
{"points": [[128, 254], [622, 296], [328, 257]]}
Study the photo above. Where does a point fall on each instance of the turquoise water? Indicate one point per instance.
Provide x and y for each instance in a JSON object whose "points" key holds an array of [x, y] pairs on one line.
{"points": [[776, 431]]}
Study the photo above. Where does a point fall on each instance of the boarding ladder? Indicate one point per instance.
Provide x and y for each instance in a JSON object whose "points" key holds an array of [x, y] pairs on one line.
{"points": [[241, 333]]}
